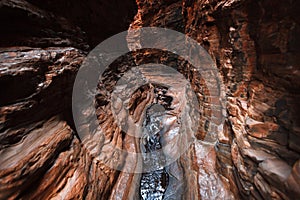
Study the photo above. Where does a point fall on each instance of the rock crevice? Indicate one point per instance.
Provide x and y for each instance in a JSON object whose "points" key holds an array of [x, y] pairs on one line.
{"points": [[254, 44]]}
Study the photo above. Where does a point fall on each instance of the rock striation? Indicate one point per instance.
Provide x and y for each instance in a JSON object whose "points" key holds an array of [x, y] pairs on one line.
{"points": [[255, 45]]}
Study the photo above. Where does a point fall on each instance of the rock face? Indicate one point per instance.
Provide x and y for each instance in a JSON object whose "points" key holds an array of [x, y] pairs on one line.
{"points": [[256, 47]]}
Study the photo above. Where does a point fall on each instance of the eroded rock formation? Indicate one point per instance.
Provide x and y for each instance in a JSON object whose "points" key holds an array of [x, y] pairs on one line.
{"points": [[255, 45]]}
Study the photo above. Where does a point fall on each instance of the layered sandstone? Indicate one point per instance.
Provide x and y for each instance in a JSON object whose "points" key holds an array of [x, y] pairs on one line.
{"points": [[254, 44]]}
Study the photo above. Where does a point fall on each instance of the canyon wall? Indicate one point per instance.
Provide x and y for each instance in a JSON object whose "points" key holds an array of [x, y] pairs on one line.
{"points": [[256, 48], [255, 45]]}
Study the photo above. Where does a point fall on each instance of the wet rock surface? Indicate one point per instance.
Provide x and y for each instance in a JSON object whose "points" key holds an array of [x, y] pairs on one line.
{"points": [[255, 45], [153, 183]]}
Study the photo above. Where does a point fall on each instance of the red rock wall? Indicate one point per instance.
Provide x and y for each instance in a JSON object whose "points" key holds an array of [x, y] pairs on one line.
{"points": [[42, 45], [256, 48], [255, 45]]}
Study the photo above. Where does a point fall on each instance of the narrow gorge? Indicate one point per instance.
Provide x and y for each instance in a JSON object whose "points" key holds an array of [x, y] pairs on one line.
{"points": [[165, 134]]}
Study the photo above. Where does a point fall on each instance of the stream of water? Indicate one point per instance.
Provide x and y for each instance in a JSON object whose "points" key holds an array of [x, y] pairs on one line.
{"points": [[154, 183]]}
